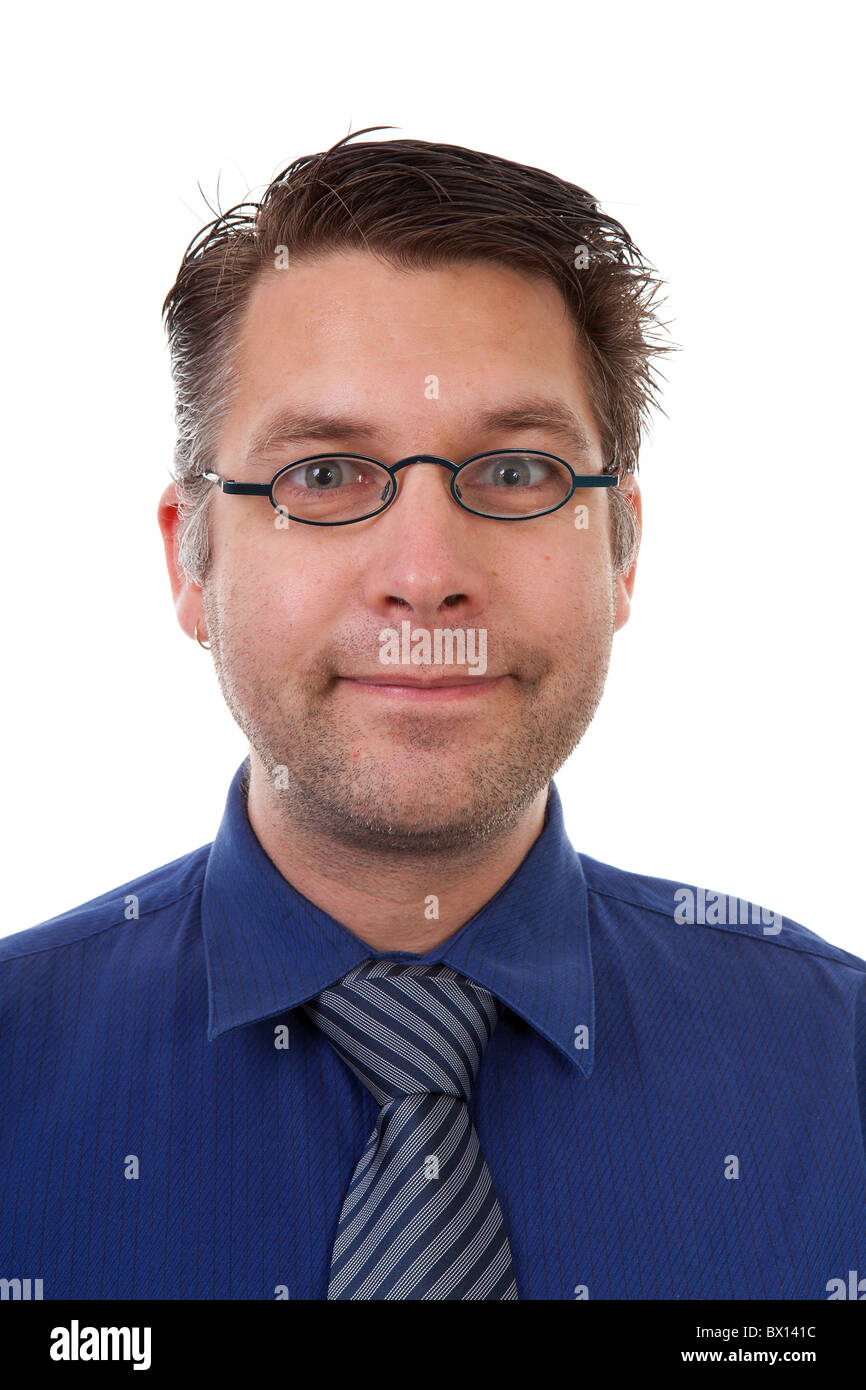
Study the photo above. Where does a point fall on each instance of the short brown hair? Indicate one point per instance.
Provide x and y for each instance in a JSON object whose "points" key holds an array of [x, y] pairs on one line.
{"points": [[418, 206]]}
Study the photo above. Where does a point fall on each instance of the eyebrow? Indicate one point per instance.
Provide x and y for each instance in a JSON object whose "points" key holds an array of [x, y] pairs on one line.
{"points": [[293, 426]]}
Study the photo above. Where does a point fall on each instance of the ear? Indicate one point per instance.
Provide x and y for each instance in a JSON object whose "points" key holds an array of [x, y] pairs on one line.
{"points": [[186, 594], [625, 582]]}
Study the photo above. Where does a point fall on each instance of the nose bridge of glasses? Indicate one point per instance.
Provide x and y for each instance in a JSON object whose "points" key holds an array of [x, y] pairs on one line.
{"points": [[423, 458]]}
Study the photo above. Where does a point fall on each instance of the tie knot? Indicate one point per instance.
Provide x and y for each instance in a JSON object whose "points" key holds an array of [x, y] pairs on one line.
{"points": [[405, 1029]]}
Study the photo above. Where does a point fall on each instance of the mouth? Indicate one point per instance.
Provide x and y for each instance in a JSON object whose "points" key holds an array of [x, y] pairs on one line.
{"points": [[418, 690]]}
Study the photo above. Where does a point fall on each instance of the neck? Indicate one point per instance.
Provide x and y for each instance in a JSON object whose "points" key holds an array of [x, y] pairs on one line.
{"points": [[402, 903]]}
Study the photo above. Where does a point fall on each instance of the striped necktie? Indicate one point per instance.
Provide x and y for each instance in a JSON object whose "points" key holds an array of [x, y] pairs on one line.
{"points": [[420, 1219]]}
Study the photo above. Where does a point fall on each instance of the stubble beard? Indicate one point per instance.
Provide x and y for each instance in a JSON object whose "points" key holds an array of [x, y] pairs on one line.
{"points": [[426, 788]]}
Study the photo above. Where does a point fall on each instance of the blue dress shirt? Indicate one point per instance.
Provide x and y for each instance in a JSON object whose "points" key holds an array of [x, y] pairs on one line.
{"points": [[669, 1110]]}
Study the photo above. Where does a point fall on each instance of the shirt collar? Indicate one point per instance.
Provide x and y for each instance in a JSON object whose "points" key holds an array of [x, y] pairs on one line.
{"points": [[269, 949]]}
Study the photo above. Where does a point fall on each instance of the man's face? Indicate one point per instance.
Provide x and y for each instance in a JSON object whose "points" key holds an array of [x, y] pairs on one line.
{"points": [[294, 613]]}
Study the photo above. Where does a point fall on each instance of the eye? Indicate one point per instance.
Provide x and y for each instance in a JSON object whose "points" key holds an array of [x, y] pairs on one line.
{"points": [[326, 475], [518, 484], [514, 470], [331, 473], [332, 487]]}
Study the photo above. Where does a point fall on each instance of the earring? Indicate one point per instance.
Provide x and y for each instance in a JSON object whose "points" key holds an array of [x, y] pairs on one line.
{"points": [[204, 645]]}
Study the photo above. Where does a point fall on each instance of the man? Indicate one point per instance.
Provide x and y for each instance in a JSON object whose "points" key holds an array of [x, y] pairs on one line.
{"points": [[390, 1036]]}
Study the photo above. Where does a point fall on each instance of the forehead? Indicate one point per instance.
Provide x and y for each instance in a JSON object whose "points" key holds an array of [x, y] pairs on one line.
{"points": [[349, 330]]}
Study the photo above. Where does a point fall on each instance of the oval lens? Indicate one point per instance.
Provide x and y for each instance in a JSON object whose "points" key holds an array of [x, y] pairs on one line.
{"points": [[331, 488], [518, 484]]}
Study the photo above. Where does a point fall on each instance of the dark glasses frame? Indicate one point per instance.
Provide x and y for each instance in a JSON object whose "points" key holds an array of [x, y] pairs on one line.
{"points": [[578, 480]]}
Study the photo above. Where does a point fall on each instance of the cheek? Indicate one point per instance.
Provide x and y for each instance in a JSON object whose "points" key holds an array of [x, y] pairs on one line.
{"points": [[567, 587], [276, 601], [568, 560]]}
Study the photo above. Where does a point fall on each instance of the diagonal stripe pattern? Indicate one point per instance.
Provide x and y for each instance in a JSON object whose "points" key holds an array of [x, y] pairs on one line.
{"points": [[420, 1219]]}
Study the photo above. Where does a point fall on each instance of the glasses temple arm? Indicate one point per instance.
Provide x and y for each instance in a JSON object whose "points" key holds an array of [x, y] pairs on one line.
{"points": [[244, 489]]}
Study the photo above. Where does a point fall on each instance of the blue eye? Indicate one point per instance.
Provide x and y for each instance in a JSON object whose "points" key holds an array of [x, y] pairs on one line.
{"points": [[515, 470], [518, 484], [332, 488]]}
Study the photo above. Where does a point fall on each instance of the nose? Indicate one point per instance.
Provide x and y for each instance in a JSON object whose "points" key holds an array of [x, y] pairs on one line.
{"points": [[427, 557]]}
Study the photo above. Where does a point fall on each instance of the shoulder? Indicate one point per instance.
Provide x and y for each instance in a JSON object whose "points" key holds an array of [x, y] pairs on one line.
{"points": [[655, 905], [151, 897]]}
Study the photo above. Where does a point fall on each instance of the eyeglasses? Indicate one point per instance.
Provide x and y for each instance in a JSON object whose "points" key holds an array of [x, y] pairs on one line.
{"points": [[338, 489]]}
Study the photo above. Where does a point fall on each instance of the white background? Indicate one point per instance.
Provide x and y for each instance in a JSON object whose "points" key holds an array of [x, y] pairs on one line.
{"points": [[728, 750]]}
